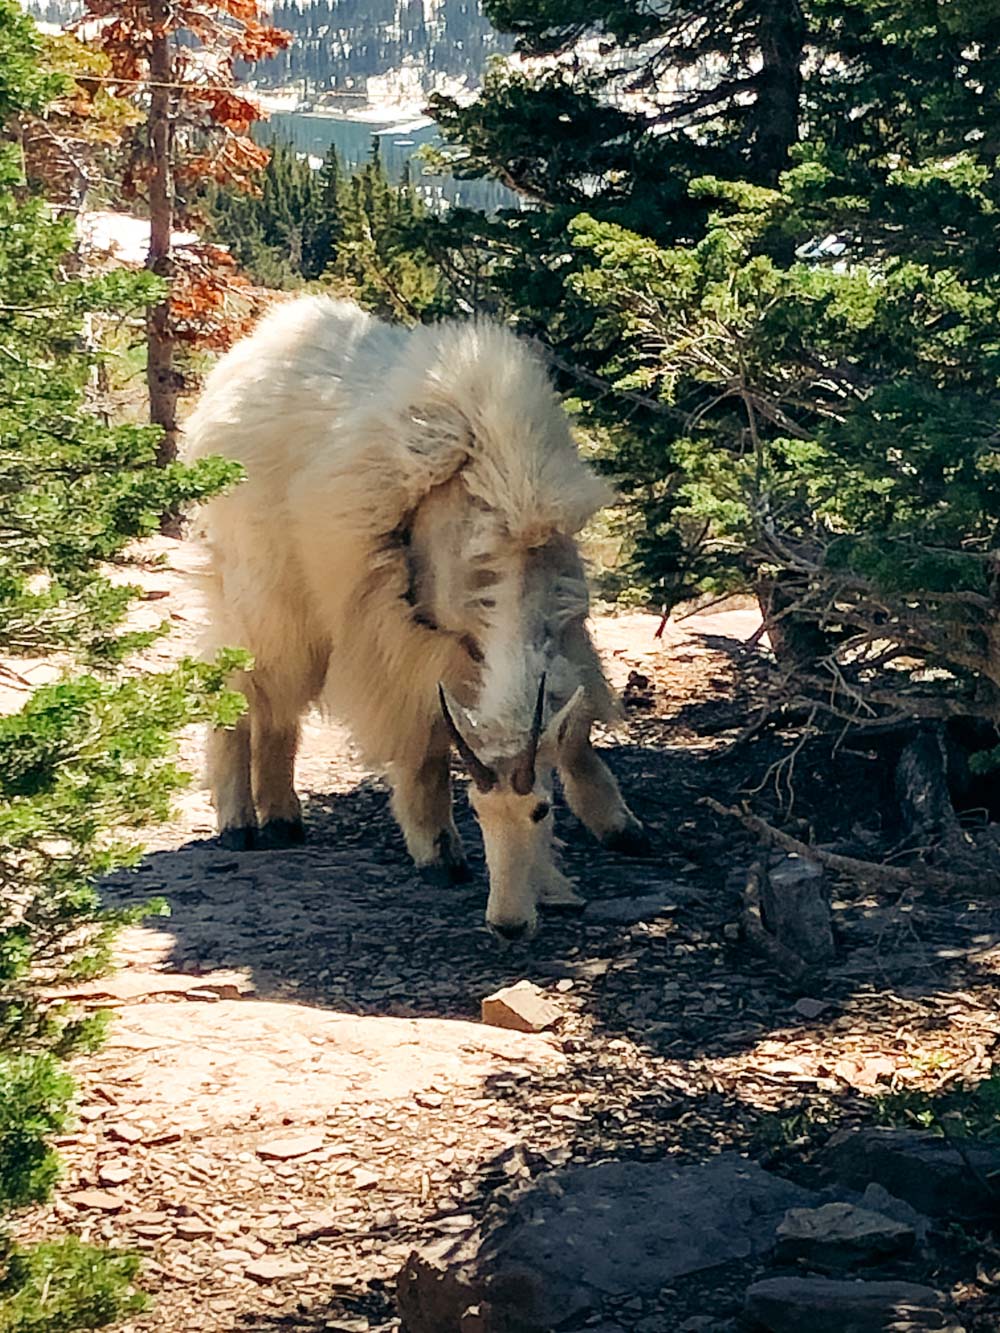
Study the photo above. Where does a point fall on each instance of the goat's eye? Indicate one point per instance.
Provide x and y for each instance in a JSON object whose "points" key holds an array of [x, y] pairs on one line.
{"points": [[540, 811]]}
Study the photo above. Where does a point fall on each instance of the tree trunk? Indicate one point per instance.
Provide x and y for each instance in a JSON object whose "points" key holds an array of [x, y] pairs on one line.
{"points": [[797, 642], [782, 34], [160, 376]]}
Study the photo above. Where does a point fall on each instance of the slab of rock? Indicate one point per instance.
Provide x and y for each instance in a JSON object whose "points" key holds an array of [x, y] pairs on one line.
{"points": [[840, 1235], [522, 1008], [133, 984], [922, 1169], [284, 1150], [104, 1201], [123, 1132], [577, 1236], [630, 911], [115, 1173], [274, 1269], [831, 1305]]}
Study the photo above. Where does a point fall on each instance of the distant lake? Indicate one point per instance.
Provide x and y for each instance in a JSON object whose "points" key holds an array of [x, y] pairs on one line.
{"points": [[398, 142]]}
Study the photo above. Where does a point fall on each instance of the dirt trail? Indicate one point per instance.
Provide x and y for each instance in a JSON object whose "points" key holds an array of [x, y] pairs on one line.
{"points": [[298, 1090]]}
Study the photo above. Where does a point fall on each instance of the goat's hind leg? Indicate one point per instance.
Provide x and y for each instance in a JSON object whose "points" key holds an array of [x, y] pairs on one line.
{"points": [[421, 803], [594, 797], [274, 742]]}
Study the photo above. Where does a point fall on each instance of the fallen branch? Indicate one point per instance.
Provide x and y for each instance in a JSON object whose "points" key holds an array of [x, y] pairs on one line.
{"points": [[920, 877]]}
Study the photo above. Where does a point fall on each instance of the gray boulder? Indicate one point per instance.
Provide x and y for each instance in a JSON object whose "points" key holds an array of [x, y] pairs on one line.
{"points": [[928, 1172], [578, 1236]]}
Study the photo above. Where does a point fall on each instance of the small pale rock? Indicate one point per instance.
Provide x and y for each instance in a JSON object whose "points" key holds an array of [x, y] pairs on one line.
{"points": [[562, 1111], [122, 1132], [865, 1072], [159, 1138], [364, 1180], [232, 1256], [105, 1201], [282, 1150], [192, 1228], [114, 1174], [828, 1305], [319, 1224], [430, 1100], [521, 1008], [273, 1269], [839, 1235]]}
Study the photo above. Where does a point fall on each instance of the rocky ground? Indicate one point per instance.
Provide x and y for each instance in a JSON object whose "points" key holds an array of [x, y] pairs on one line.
{"points": [[300, 1109]]}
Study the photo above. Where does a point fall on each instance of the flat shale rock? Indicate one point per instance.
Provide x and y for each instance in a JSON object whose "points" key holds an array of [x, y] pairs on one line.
{"points": [[641, 907], [578, 1236], [922, 1169], [103, 1201], [840, 1235], [830, 1305], [285, 1150]]}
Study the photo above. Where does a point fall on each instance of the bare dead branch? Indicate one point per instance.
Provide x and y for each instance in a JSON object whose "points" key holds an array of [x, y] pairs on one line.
{"points": [[873, 872]]}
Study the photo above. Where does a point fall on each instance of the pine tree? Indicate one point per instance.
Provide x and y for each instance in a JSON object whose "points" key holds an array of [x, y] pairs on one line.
{"points": [[325, 235], [379, 260], [359, 235], [192, 129], [801, 351], [90, 756]]}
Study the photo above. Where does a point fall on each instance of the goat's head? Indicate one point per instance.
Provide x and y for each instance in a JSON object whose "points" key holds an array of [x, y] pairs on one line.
{"points": [[511, 795]]}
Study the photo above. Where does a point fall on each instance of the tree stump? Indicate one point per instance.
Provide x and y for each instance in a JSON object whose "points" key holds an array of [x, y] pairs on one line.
{"points": [[795, 908], [922, 788]]}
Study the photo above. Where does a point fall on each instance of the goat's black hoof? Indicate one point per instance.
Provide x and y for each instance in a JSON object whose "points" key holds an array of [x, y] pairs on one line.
{"points": [[443, 874], [279, 833], [632, 840], [243, 839], [458, 872], [451, 863]]}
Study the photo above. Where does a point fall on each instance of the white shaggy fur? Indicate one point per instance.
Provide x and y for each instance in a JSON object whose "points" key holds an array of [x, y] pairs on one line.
{"points": [[407, 518]]}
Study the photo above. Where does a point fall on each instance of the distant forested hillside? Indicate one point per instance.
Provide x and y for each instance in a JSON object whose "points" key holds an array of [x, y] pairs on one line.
{"points": [[338, 42]]}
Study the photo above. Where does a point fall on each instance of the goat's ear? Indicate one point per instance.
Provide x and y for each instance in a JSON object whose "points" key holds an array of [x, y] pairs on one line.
{"points": [[558, 725]]}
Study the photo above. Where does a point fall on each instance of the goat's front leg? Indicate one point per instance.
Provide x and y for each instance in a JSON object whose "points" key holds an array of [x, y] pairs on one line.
{"points": [[229, 781], [594, 796], [421, 803]]}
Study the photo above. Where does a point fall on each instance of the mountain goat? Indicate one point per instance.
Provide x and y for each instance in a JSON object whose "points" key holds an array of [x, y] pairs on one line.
{"points": [[402, 551]]}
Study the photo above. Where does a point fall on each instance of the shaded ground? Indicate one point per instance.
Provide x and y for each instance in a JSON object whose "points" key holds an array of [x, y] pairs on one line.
{"points": [[328, 996]]}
